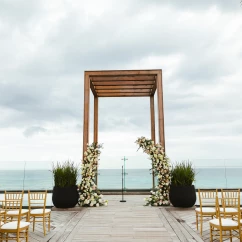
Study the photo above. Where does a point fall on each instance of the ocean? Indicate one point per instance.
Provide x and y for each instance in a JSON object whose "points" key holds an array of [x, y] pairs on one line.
{"points": [[223, 177]]}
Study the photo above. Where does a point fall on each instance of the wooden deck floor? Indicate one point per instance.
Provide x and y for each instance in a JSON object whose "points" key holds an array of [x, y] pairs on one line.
{"points": [[130, 221]]}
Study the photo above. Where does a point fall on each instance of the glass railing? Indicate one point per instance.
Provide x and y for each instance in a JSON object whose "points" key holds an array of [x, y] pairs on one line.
{"points": [[38, 176], [218, 173]]}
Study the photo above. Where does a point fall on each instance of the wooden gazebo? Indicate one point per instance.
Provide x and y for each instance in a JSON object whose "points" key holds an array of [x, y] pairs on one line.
{"points": [[123, 83]]}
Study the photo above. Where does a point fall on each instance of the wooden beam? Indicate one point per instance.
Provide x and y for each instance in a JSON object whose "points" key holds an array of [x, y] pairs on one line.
{"points": [[123, 78], [160, 110], [93, 89], [122, 83], [124, 87], [95, 128], [122, 72], [124, 90], [152, 124], [86, 112], [152, 117], [154, 88], [124, 95]]}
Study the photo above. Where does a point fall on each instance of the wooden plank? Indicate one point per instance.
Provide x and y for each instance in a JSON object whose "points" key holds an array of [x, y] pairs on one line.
{"points": [[192, 233], [124, 95], [152, 124], [118, 92], [93, 90], [124, 78], [86, 112], [154, 88], [122, 72], [124, 87], [95, 128], [123, 83], [152, 117], [124, 90], [160, 110]]}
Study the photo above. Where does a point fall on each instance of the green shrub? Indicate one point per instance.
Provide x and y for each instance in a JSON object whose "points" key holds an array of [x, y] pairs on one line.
{"points": [[65, 174], [183, 174]]}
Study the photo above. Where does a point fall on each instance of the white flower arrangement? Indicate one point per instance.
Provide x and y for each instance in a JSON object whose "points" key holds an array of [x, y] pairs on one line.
{"points": [[89, 194], [161, 167]]}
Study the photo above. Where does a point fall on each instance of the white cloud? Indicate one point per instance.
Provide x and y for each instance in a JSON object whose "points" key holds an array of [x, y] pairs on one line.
{"points": [[44, 53]]}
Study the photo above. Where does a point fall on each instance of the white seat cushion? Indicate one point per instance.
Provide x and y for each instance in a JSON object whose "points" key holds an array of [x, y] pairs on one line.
{"points": [[16, 212], [14, 224], [39, 211], [206, 210], [225, 222], [1, 223], [229, 210], [2, 211]]}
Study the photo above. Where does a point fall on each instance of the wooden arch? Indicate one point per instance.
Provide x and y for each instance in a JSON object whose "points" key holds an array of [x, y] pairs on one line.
{"points": [[123, 83]]}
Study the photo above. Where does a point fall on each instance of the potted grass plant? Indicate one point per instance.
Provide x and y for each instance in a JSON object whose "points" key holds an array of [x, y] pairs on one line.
{"points": [[182, 190], [65, 191]]}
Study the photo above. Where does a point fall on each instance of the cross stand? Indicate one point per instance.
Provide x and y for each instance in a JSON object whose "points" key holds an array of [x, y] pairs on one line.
{"points": [[122, 201]]}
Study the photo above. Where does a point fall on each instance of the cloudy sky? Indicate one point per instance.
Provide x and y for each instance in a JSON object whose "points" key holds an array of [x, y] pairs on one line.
{"points": [[45, 47]]}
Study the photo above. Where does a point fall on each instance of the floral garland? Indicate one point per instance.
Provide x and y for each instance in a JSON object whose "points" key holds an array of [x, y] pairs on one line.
{"points": [[161, 168], [89, 194]]}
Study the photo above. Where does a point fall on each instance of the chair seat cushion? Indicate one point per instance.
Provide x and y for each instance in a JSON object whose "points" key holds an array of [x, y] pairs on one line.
{"points": [[16, 212], [2, 211], [228, 210], [39, 211], [206, 210], [14, 224], [225, 222], [1, 223]]}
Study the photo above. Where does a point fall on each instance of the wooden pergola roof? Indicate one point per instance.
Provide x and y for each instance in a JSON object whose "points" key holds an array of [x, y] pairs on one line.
{"points": [[123, 83], [128, 83]]}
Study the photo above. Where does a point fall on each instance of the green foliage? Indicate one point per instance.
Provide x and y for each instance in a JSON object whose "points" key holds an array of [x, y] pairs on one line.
{"points": [[183, 174], [65, 174]]}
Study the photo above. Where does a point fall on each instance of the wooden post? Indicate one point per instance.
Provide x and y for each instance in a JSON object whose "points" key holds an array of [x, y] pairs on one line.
{"points": [[160, 109], [152, 123], [95, 128], [152, 117], [86, 112]]}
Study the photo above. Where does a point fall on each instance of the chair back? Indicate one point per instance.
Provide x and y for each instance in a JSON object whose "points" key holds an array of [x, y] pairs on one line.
{"points": [[207, 198], [226, 193], [10, 205], [37, 200], [13, 195], [231, 202], [2, 214]]}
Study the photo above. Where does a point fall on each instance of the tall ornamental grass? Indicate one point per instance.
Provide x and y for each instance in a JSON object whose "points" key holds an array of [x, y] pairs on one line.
{"points": [[65, 174], [183, 174]]}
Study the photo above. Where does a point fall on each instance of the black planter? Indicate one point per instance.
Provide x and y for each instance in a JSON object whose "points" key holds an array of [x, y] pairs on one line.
{"points": [[65, 197], [182, 196]]}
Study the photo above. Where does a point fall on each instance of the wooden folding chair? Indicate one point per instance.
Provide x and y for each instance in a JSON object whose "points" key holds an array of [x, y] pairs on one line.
{"points": [[207, 203], [38, 210], [221, 227], [12, 196], [14, 230]]}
